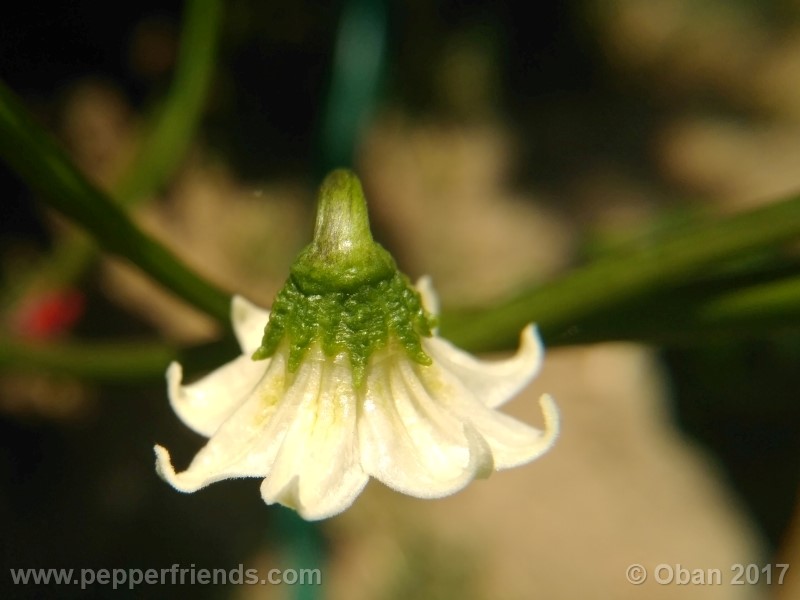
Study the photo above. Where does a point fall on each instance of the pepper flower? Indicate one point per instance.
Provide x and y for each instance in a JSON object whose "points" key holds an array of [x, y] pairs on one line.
{"points": [[346, 379]]}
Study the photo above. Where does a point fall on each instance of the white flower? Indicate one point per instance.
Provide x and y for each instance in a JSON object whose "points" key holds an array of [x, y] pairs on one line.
{"points": [[350, 381], [316, 438]]}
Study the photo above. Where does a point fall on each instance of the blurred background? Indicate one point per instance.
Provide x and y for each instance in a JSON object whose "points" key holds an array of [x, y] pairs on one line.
{"points": [[507, 142]]}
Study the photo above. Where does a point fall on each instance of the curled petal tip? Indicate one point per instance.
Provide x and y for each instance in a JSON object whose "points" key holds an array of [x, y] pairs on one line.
{"points": [[167, 472], [552, 420], [288, 496], [530, 338], [248, 322], [164, 466], [430, 300], [174, 379]]}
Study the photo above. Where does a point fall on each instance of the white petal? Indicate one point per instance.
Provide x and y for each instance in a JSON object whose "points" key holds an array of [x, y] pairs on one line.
{"points": [[206, 403], [513, 442], [408, 441], [245, 445], [495, 382], [248, 323], [317, 470], [430, 299]]}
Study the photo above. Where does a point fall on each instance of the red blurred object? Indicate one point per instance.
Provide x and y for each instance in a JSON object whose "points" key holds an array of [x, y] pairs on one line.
{"points": [[49, 314]]}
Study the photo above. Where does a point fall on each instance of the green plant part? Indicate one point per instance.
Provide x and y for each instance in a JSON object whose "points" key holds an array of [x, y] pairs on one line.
{"points": [[344, 291]]}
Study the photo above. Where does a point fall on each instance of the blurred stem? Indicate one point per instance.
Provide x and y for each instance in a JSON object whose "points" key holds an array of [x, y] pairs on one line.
{"points": [[171, 128], [34, 155], [630, 295], [682, 316], [168, 134], [564, 306], [687, 316], [111, 362]]}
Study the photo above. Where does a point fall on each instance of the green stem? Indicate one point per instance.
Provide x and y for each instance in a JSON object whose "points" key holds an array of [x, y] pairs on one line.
{"points": [[111, 362], [170, 131], [685, 316], [565, 304], [100, 361], [35, 156], [673, 317]]}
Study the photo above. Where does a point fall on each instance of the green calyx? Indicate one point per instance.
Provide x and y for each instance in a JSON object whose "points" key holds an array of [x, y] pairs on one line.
{"points": [[345, 291]]}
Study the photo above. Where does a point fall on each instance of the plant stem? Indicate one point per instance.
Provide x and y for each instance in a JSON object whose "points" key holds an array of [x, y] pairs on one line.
{"points": [[168, 134], [170, 131], [565, 304], [112, 361], [691, 316], [35, 156], [100, 361]]}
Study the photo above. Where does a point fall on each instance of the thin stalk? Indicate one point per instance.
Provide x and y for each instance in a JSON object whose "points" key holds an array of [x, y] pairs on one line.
{"points": [[565, 304], [169, 132], [98, 361], [171, 129], [35, 156], [692, 316], [112, 361]]}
